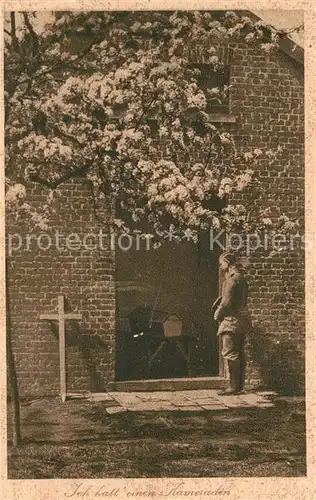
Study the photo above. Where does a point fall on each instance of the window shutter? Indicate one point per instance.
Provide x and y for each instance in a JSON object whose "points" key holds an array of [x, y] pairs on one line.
{"points": [[224, 55]]}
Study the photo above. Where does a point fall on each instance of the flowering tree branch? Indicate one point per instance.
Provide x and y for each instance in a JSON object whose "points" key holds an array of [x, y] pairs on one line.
{"points": [[97, 101]]}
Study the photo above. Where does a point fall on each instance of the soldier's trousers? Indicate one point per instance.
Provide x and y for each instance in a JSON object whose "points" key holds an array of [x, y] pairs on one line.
{"points": [[233, 352], [232, 345]]}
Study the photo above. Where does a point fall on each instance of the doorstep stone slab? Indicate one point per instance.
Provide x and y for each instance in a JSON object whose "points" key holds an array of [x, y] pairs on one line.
{"points": [[237, 404], [170, 396], [214, 407], [200, 394], [150, 406], [125, 398], [183, 402], [100, 396], [266, 404], [147, 407], [113, 410], [180, 400], [210, 402], [242, 403], [161, 396], [152, 397], [251, 399], [189, 408], [164, 406], [266, 393], [205, 401], [231, 402]]}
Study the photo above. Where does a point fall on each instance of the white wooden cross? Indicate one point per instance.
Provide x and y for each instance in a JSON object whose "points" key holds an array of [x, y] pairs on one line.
{"points": [[61, 317]]}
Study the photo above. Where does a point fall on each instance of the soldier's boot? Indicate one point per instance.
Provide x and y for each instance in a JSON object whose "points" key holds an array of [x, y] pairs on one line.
{"points": [[234, 367], [242, 377], [237, 376]]}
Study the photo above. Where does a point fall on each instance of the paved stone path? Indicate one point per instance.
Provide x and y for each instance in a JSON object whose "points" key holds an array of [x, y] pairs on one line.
{"points": [[194, 400]]}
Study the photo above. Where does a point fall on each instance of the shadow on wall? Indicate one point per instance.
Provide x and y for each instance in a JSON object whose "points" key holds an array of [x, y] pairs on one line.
{"points": [[90, 347], [280, 363]]}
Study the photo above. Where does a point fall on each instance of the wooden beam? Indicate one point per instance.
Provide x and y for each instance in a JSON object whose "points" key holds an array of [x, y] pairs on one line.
{"points": [[49, 316], [61, 317]]}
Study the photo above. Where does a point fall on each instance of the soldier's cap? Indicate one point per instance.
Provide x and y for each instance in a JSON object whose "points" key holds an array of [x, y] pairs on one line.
{"points": [[230, 257]]}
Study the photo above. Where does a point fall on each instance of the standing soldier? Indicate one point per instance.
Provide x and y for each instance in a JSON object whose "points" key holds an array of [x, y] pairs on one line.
{"points": [[230, 313]]}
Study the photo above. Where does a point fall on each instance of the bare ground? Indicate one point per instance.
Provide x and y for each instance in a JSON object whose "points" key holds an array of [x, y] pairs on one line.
{"points": [[79, 439]]}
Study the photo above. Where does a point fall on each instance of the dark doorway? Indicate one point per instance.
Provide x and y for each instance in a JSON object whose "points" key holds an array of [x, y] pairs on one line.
{"points": [[177, 279]]}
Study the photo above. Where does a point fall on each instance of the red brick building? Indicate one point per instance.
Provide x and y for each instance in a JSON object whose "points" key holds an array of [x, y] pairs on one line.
{"points": [[265, 109]]}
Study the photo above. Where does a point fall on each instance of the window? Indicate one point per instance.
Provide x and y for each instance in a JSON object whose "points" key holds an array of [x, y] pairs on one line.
{"points": [[208, 79]]}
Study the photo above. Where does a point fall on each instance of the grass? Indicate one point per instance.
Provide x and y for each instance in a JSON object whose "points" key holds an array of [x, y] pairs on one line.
{"points": [[79, 439]]}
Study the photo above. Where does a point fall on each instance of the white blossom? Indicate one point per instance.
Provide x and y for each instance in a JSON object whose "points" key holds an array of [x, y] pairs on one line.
{"points": [[266, 221], [15, 193], [250, 37]]}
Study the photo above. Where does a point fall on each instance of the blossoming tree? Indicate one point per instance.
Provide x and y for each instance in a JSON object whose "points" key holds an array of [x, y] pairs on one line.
{"points": [[109, 97]]}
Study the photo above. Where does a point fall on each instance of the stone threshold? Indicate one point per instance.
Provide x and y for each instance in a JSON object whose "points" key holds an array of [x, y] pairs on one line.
{"points": [[170, 384]]}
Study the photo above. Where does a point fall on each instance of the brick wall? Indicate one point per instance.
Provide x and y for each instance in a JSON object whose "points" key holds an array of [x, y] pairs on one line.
{"points": [[267, 99], [85, 277]]}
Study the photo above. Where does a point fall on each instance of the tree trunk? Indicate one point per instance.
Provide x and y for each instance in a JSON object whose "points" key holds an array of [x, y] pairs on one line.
{"points": [[13, 382]]}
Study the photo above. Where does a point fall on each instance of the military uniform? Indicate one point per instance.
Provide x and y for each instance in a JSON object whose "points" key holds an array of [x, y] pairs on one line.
{"points": [[232, 316]]}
